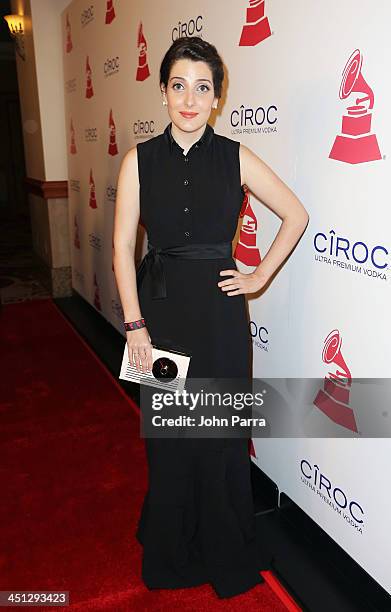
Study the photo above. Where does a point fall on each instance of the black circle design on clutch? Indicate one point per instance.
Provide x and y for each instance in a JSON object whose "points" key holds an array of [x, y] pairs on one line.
{"points": [[164, 369]]}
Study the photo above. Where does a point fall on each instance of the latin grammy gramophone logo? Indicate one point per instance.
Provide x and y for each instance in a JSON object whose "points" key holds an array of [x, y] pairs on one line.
{"points": [[72, 147], [110, 12], [97, 303], [333, 399], [92, 201], [356, 144], [68, 46], [76, 239], [246, 249], [89, 88], [256, 28], [113, 149], [142, 68]]}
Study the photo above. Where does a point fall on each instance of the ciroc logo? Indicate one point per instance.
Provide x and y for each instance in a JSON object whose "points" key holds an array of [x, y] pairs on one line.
{"points": [[192, 27], [87, 15], [111, 193], [350, 509], [70, 85], [91, 134], [95, 241], [254, 120], [111, 66], [74, 185], [259, 335], [370, 260], [143, 128]]}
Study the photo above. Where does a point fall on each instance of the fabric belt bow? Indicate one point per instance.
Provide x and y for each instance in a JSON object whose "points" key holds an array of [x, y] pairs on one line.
{"points": [[152, 263]]}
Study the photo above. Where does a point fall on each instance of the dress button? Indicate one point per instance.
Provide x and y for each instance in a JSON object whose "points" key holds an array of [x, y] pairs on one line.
{"points": [[187, 234], [185, 182], [186, 159], [186, 209]]}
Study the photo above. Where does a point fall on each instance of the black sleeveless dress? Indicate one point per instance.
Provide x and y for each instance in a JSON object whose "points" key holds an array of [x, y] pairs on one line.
{"points": [[197, 522]]}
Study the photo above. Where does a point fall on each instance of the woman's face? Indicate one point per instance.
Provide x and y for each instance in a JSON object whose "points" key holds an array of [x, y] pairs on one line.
{"points": [[190, 94]]}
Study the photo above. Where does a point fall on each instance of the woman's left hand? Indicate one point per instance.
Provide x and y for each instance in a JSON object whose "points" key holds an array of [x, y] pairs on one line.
{"points": [[240, 282]]}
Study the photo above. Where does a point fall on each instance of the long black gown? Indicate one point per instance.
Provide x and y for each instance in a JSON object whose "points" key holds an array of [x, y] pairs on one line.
{"points": [[197, 521]]}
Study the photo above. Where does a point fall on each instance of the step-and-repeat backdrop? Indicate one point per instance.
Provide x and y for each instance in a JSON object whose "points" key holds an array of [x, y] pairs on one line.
{"points": [[308, 91]]}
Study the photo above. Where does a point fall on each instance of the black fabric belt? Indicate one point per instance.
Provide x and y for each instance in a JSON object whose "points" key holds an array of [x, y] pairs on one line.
{"points": [[152, 262]]}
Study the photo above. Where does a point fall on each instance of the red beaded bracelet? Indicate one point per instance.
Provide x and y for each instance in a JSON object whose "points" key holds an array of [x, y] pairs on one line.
{"points": [[131, 325]]}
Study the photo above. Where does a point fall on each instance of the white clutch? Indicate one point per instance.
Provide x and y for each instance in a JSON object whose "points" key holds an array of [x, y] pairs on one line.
{"points": [[169, 369]]}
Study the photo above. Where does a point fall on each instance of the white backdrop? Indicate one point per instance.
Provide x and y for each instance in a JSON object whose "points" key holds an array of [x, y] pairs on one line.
{"points": [[323, 322]]}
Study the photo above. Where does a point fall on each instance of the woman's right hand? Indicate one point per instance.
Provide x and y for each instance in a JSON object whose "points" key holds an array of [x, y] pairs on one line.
{"points": [[140, 349]]}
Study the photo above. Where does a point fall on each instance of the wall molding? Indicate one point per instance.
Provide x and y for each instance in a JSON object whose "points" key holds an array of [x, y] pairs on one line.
{"points": [[47, 189]]}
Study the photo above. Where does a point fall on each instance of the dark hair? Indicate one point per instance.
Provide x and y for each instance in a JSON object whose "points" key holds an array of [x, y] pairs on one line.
{"points": [[198, 50]]}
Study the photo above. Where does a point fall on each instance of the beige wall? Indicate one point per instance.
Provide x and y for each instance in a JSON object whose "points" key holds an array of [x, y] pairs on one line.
{"points": [[49, 218], [29, 100], [41, 89], [46, 16]]}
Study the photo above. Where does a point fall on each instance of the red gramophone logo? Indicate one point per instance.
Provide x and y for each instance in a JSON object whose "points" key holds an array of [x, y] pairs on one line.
{"points": [[76, 240], [73, 150], [89, 88], [92, 191], [333, 399], [356, 144], [96, 294], [142, 69], [110, 12], [256, 28], [246, 249], [113, 149], [69, 45]]}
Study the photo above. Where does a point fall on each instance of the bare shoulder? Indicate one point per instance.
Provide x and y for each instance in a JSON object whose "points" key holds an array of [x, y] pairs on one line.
{"points": [[129, 164], [248, 162], [267, 186], [130, 156], [247, 155]]}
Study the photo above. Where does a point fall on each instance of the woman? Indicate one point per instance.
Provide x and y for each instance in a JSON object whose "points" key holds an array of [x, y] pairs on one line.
{"points": [[197, 522]]}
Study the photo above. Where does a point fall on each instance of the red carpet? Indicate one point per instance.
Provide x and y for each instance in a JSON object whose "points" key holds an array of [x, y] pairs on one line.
{"points": [[73, 476]]}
